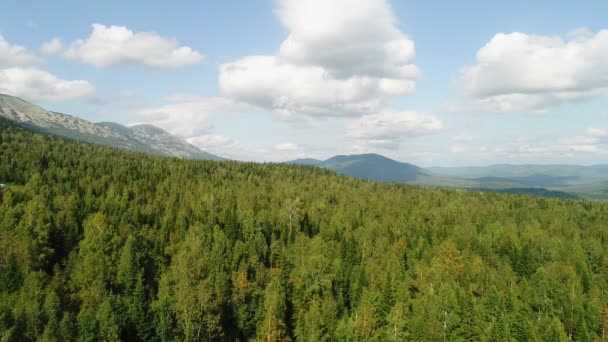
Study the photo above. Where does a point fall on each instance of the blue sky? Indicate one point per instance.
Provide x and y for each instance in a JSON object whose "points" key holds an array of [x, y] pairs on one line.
{"points": [[432, 83]]}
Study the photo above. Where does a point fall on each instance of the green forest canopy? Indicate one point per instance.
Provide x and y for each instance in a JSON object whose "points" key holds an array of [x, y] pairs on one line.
{"points": [[102, 244]]}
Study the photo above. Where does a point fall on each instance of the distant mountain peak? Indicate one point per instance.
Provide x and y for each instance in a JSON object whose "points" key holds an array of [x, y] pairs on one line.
{"points": [[370, 166]]}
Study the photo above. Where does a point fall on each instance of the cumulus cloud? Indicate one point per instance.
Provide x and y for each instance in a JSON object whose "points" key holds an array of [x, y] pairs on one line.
{"points": [[115, 45], [188, 116], [267, 82], [522, 72], [20, 77], [341, 58], [52, 47], [347, 38], [387, 129], [36, 84], [15, 55]]}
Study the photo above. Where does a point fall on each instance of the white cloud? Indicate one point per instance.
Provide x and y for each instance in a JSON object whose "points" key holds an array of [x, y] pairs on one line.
{"points": [[584, 143], [387, 129], [15, 55], [114, 45], [229, 148], [587, 147], [211, 141], [291, 90], [597, 132], [341, 58], [534, 103], [391, 124], [521, 72], [347, 38], [232, 148], [19, 77], [36, 84], [285, 147], [534, 148], [188, 116], [52, 47]]}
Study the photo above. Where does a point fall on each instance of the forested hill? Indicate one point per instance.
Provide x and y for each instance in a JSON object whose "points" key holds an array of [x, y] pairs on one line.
{"points": [[369, 166], [103, 244]]}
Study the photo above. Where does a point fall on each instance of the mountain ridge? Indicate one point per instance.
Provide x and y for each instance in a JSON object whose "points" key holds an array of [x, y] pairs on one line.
{"points": [[553, 180], [140, 138]]}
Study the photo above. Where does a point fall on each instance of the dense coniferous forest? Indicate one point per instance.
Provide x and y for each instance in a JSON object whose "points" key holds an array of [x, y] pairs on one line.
{"points": [[102, 244]]}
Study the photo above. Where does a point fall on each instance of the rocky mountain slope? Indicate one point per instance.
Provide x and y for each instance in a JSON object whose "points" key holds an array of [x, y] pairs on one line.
{"points": [[140, 138]]}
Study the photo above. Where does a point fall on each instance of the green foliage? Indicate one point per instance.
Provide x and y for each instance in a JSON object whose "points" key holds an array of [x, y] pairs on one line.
{"points": [[11, 275], [101, 244]]}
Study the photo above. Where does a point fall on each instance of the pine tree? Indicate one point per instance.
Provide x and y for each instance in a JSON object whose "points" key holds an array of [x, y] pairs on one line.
{"points": [[138, 311], [500, 330], [67, 327], [12, 277], [398, 322], [163, 309], [581, 332], [554, 331], [520, 326], [273, 327], [87, 325], [108, 321], [468, 329], [52, 311]]}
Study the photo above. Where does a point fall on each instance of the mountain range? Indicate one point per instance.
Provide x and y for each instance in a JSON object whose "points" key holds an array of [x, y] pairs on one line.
{"points": [[564, 181], [139, 138], [567, 181]]}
